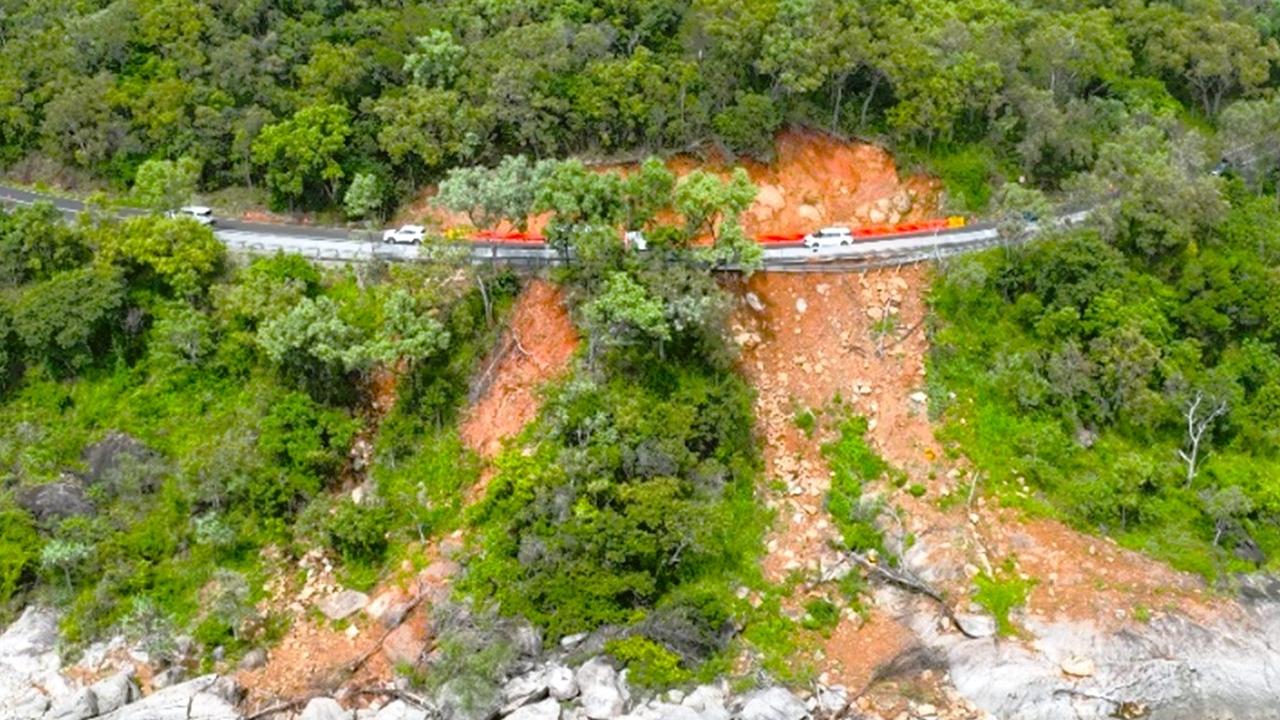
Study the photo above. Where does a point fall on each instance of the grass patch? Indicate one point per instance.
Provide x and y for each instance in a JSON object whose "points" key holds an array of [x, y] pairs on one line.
{"points": [[1001, 593]]}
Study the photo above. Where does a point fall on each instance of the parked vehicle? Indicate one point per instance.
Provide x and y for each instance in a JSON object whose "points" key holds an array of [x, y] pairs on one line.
{"points": [[828, 237], [199, 213], [405, 235]]}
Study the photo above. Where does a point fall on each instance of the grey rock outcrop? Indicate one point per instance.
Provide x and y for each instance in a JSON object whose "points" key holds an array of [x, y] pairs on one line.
{"points": [[115, 691], [55, 500], [29, 665], [772, 703]]}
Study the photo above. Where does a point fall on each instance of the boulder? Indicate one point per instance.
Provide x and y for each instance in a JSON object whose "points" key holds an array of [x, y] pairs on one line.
{"points": [[832, 700], [753, 301], [108, 461], [773, 703], [55, 501], [522, 690], [80, 705], [560, 682], [548, 709], [324, 708], [203, 698], [253, 659], [527, 640], [405, 644], [601, 696], [343, 605], [168, 677], [400, 710], [115, 691]]}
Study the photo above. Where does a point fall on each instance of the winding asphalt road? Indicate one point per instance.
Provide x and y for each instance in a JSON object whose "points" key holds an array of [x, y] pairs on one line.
{"points": [[340, 245]]}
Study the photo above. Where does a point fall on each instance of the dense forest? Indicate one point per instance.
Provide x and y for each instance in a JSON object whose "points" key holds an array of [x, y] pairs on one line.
{"points": [[301, 98]]}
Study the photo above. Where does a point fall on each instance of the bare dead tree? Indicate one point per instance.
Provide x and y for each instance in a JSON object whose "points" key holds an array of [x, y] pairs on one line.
{"points": [[1199, 418]]}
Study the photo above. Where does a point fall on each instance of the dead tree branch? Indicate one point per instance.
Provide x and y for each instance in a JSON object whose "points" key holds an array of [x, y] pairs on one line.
{"points": [[909, 581]]}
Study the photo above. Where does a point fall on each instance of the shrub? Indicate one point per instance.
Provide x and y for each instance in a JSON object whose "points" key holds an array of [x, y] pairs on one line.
{"points": [[19, 551], [822, 615], [853, 464], [652, 665], [1000, 593], [358, 532]]}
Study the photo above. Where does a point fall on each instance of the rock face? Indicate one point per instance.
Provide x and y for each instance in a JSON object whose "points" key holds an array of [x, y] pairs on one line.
{"points": [[55, 500], [602, 698], [561, 683], [29, 663], [773, 703]]}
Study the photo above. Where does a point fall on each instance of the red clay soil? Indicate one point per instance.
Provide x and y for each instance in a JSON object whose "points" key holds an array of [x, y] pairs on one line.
{"points": [[536, 348], [814, 180], [818, 337]]}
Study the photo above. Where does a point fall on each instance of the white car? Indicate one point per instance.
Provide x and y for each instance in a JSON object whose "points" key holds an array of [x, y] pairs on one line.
{"points": [[828, 237], [405, 235], [199, 213]]}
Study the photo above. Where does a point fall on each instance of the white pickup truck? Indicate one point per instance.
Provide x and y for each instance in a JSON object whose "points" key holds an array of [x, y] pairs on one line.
{"points": [[199, 213]]}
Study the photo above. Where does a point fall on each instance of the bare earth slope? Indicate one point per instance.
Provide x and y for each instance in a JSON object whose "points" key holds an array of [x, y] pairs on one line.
{"points": [[1196, 656]]}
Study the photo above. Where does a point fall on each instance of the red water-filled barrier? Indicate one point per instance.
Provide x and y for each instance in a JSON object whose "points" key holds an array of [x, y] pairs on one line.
{"points": [[523, 238], [780, 238]]}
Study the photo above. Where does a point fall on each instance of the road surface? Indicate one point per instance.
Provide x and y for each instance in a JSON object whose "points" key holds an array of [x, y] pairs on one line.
{"points": [[340, 245]]}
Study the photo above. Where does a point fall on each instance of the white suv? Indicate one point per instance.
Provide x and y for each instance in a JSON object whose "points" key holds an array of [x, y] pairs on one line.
{"points": [[828, 237], [405, 234], [199, 213]]}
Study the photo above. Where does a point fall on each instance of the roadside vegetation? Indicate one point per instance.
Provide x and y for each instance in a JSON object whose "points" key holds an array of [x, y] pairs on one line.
{"points": [[357, 105], [175, 426]]}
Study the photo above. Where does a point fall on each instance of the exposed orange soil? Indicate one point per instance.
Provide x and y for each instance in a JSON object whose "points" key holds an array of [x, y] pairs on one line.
{"points": [[817, 338], [314, 654], [814, 180], [536, 348]]}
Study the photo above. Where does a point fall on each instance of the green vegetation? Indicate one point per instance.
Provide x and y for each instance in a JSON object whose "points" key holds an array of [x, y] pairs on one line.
{"points": [[631, 500], [166, 415], [1129, 372], [652, 665], [1001, 593], [853, 465], [307, 100]]}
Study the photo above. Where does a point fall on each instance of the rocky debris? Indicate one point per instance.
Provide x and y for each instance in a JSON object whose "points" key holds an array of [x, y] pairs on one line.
{"points": [[323, 708], [548, 709], [56, 500], [602, 696], [753, 301], [344, 604], [209, 697], [168, 677], [772, 703]]}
